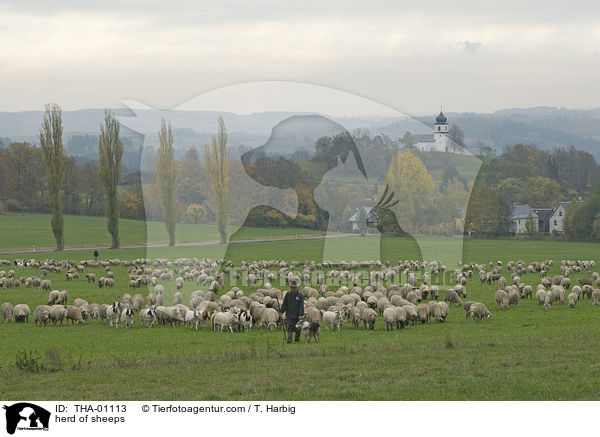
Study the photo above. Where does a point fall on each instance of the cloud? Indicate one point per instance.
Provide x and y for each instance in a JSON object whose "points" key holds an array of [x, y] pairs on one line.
{"points": [[471, 47]]}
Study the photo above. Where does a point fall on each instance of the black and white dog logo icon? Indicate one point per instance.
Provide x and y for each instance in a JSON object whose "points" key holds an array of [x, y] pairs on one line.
{"points": [[26, 416]]}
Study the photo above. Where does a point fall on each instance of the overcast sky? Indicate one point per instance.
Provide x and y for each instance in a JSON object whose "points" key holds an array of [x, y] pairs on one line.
{"points": [[411, 57]]}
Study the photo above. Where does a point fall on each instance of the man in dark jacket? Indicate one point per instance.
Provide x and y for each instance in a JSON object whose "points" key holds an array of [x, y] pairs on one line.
{"points": [[293, 307]]}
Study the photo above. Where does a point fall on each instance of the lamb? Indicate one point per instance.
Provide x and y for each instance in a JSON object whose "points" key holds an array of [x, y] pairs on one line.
{"points": [[502, 299], [310, 330], [596, 296], [74, 315], [113, 314], [390, 317], [7, 310], [478, 311], [21, 313], [41, 315], [332, 319], [127, 317], [147, 317], [369, 316], [57, 313], [572, 298], [452, 297]]}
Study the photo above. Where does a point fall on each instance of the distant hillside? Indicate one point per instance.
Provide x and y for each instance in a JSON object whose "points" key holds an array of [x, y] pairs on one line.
{"points": [[547, 127]]}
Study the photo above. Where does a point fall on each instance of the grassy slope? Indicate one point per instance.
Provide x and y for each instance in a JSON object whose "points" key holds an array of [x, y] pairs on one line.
{"points": [[522, 353], [22, 231]]}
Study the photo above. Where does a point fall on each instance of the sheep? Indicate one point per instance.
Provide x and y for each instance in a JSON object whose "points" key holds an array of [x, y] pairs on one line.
{"points": [[57, 314], [478, 311], [245, 320], [7, 310], [21, 313], [46, 284], [540, 295], [159, 301], [174, 315], [113, 314], [423, 313], [443, 306], [452, 297], [147, 317], [411, 314], [526, 292], [127, 317], [436, 312], [177, 298], [62, 298], [332, 319], [53, 297], [513, 298], [596, 296], [94, 311], [41, 315], [91, 277], [309, 330], [502, 299], [400, 317], [369, 316], [390, 317], [548, 301], [150, 300], [312, 314], [270, 317], [572, 298], [226, 320], [136, 302], [74, 315]]}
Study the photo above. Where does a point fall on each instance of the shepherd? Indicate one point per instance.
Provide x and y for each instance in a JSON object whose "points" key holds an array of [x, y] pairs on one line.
{"points": [[293, 307]]}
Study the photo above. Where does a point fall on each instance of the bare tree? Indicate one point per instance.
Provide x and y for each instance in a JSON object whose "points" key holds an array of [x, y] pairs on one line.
{"points": [[456, 137], [54, 159], [110, 149], [166, 171], [217, 171]]}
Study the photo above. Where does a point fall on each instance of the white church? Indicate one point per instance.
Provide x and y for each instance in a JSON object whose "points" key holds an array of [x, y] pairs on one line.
{"points": [[437, 141]]}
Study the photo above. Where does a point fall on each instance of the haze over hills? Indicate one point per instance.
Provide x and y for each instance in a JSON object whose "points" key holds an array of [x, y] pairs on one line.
{"points": [[547, 127]]}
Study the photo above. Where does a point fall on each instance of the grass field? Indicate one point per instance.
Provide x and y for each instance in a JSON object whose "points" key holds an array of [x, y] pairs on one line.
{"points": [[23, 231], [522, 353]]}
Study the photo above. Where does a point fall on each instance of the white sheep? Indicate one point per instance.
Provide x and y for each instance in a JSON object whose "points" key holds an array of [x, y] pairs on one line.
{"points": [[332, 319], [572, 298], [7, 310], [113, 313], [224, 320], [127, 317], [147, 317], [41, 315], [390, 317], [21, 313]]}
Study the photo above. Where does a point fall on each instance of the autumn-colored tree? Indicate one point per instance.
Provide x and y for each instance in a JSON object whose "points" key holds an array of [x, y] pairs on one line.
{"points": [[110, 149], [217, 172], [166, 172], [413, 186], [196, 213], [54, 159]]}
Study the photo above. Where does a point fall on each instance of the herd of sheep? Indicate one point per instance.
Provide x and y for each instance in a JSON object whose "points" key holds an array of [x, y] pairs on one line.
{"points": [[407, 293]]}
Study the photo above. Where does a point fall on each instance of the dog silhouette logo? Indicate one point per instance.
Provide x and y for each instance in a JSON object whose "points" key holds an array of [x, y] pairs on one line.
{"points": [[26, 416]]}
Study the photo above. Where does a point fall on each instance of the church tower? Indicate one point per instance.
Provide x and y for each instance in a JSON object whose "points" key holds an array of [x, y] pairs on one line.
{"points": [[440, 132]]}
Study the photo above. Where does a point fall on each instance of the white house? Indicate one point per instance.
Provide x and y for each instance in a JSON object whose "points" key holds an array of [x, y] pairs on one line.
{"points": [[356, 205], [523, 215], [558, 217]]}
